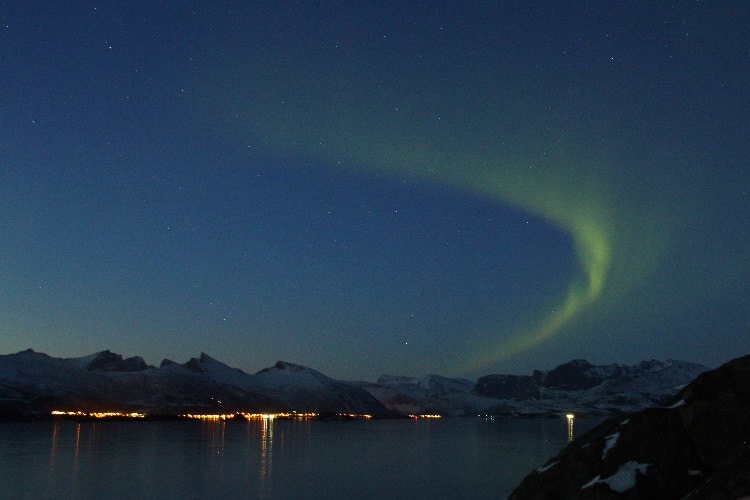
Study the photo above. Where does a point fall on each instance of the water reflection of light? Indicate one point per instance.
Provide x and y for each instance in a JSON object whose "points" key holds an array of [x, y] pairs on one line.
{"points": [[570, 418], [266, 453], [214, 434], [76, 455], [53, 451]]}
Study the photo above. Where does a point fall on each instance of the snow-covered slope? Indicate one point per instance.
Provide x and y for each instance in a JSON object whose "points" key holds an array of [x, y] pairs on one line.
{"points": [[430, 394], [310, 390], [216, 370]]}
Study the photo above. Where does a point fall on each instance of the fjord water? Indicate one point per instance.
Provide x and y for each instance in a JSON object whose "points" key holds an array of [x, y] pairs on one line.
{"points": [[443, 458]]}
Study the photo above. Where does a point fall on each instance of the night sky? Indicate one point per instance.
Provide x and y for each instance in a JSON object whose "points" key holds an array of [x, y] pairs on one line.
{"points": [[397, 187]]}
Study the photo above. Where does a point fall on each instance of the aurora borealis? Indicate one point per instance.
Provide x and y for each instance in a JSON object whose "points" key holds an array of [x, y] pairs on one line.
{"points": [[384, 187]]}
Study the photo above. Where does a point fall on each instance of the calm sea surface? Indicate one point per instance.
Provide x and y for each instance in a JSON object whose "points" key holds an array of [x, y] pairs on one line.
{"points": [[445, 458]]}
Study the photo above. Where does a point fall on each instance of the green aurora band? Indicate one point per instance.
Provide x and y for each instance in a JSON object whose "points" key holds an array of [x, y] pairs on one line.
{"points": [[484, 145]]}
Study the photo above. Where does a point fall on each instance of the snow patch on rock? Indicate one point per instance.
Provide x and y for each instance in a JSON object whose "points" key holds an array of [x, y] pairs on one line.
{"points": [[548, 466], [610, 443], [623, 479]]}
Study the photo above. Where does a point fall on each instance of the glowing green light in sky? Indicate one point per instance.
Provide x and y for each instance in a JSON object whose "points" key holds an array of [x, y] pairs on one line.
{"points": [[544, 191], [479, 150], [590, 233], [553, 197]]}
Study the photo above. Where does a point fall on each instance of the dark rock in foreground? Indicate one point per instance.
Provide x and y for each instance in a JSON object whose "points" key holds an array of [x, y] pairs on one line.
{"points": [[697, 448]]}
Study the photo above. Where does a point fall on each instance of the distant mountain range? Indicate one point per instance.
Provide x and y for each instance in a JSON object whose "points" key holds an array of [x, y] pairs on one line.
{"points": [[33, 383], [576, 386]]}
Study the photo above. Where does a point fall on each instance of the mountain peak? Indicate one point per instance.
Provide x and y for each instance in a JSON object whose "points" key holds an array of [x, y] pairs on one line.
{"points": [[283, 365], [168, 363], [197, 364]]}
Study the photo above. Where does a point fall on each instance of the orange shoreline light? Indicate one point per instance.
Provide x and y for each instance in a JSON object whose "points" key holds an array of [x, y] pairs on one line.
{"points": [[270, 416], [97, 414], [202, 416]]}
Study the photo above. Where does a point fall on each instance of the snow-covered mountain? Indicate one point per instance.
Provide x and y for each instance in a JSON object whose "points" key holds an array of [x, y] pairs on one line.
{"points": [[32, 382], [577, 386], [297, 387]]}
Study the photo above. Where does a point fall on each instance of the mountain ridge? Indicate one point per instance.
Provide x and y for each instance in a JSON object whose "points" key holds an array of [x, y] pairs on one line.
{"points": [[33, 383]]}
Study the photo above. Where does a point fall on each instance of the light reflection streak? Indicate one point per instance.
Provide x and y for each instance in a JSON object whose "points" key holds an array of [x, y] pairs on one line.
{"points": [[214, 434], [53, 451], [92, 438], [266, 453], [570, 418], [77, 450]]}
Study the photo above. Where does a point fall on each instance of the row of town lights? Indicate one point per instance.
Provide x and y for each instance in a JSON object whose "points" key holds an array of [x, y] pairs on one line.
{"points": [[223, 416]]}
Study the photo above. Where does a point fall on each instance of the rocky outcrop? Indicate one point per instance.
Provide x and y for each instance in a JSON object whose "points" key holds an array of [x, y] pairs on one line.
{"points": [[508, 387], [110, 361], [699, 447], [576, 375]]}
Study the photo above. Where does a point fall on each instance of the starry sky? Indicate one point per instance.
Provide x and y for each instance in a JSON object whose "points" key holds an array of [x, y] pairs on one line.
{"points": [[376, 187]]}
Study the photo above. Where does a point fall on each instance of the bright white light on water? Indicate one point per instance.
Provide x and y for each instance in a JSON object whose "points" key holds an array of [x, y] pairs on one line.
{"points": [[570, 418]]}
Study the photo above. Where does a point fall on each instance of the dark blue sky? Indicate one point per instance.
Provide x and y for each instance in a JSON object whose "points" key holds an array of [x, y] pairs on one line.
{"points": [[376, 187]]}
